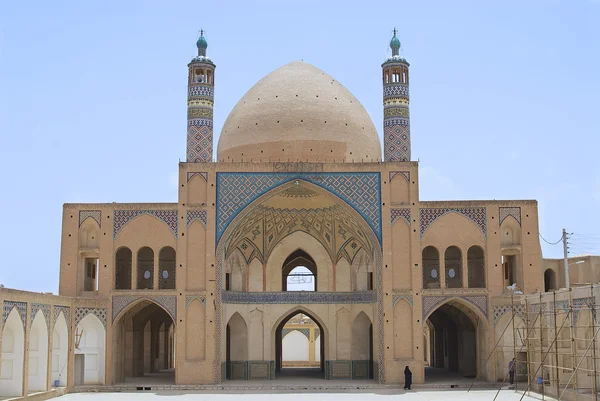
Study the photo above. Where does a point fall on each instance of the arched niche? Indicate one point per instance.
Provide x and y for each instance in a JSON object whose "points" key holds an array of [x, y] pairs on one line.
{"points": [[123, 268], [295, 347], [90, 354], [403, 330], [13, 351], [236, 344], [60, 351], [196, 256], [195, 344], [343, 279], [286, 247], [401, 270], [476, 266], [255, 276], [431, 267], [166, 268], [196, 190], [38, 354], [510, 232], [550, 280], [453, 267], [399, 189], [89, 234], [236, 271], [145, 268], [362, 272]]}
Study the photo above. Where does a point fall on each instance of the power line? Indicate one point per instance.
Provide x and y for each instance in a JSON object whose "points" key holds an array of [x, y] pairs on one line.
{"points": [[551, 243]]}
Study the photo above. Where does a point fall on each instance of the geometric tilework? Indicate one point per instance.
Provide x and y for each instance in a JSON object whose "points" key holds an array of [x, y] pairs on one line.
{"points": [[193, 215], [395, 214], [396, 298], [431, 302], [582, 304], [65, 311], [285, 332], [203, 175], [199, 143], [45, 311], [360, 190], [504, 212], [499, 311], [122, 217], [168, 303], [298, 297], [475, 214], [190, 298], [21, 309], [204, 91], [405, 174], [396, 140], [391, 90], [93, 214], [100, 313]]}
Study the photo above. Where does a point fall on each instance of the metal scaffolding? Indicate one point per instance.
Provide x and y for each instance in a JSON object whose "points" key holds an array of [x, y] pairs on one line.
{"points": [[555, 340]]}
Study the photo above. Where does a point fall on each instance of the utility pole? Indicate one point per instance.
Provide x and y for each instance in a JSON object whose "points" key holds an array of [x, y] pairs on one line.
{"points": [[567, 279]]}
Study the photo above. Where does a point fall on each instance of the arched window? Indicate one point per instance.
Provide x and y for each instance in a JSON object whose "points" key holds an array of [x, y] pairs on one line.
{"points": [[166, 268], [431, 267], [549, 280], [123, 269], [299, 272], [453, 267], [145, 269], [476, 263]]}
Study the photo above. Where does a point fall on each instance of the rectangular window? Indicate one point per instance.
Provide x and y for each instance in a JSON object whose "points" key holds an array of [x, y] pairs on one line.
{"points": [[90, 282]]}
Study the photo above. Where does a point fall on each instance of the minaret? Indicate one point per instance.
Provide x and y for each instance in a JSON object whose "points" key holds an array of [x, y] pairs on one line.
{"points": [[396, 119], [201, 90]]}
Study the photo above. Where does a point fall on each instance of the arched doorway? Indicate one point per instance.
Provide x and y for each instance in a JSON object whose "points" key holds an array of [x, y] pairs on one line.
{"points": [[143, 352], [236, 352], [362, 347], [90, 348], [299, 346], [38, 354], [299, 272], [13, 351], [456, 341], [549, 280], [60, 351]]}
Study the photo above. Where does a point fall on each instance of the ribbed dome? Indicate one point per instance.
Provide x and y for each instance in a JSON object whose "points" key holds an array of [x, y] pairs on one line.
{"points": [[298, 113]]}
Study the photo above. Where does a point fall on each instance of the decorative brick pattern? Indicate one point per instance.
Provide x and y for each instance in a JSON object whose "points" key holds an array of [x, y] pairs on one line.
{"points": [[499, 311], [168, 303], [405, 174], [285, 332], [396, 139], [192, 175], [193, 215], [21, 309], [580, 305], [395, 90], [190, 298], [100, 313], [504, 212], [203, 91], [122, 217], [432, 302], [397, 297], [45, 311], [90, 214], [395, 214], [298, 297], [340, 369], [235, 191], [476, 214], [200, 121], [199, 142], [66, 311], [259, 370]]}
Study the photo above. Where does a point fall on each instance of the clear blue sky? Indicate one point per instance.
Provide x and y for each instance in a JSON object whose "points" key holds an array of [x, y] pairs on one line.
{"points": [[504, 101]]}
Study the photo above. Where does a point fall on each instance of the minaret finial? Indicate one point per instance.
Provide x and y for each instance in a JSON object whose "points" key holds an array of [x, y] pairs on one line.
{"points": [[201, 44], [395, 44]]}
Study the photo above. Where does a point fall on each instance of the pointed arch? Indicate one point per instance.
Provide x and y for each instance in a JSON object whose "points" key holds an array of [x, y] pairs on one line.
{"points": [[60, 350], [195, 329], [166, 268], [510, 232], [89, 365], [431, 267], [237, 269], [123, 266], [12, 357], [403, 330], [361, 326], [89, 233], [38, 354]]}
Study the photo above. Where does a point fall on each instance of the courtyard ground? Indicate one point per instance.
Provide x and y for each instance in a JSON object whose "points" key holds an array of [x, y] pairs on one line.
{"points": [[374, 395]]}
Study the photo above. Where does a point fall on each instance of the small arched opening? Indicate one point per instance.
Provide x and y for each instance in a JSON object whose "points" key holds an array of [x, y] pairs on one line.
{"points": [[13, 351], [549, 280], [456, 334], [299, 272], [431, 268], [453, 267], [142, 350], [145, 269], [166, 267], [476, 266], [123, 269], [299, 346]]}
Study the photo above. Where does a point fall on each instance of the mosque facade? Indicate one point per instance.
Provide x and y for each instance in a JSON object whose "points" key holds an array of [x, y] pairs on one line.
{"points": [[199, 291]]}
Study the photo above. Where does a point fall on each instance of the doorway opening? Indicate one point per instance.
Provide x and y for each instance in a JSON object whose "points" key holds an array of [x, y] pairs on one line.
{"points": [[300, 347], [299, 272], [453, 343], [144, 346]]}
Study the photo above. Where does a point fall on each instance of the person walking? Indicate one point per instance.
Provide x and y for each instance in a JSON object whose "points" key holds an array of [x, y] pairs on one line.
{"points": [[511, 371], [407, 378]]}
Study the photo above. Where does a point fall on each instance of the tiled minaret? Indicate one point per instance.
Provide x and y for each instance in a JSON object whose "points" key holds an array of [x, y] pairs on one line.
{"points": [[396, 119], [201, 90]]}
